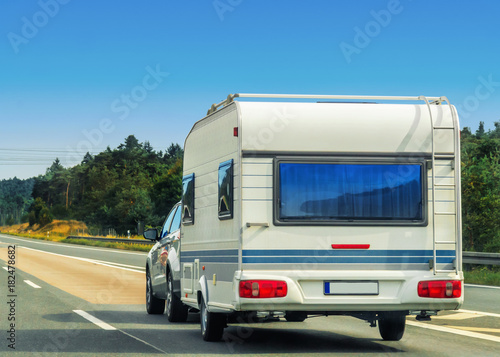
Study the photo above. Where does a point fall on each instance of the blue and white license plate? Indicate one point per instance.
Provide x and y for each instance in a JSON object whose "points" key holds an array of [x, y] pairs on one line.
{"points": [[343, 287]]}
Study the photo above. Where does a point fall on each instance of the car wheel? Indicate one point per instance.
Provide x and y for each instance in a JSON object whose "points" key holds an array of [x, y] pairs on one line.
{"points": [[153, 304], [392, 325], [212, 324], [295, 316], [176, 310]]}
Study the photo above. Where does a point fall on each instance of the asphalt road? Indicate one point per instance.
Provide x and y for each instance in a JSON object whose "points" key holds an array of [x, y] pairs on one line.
{"points": [[60, 290], [135, 259]]}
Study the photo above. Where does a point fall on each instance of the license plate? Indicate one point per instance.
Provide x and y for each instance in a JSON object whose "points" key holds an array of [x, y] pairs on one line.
{"points": [[342, 287]]}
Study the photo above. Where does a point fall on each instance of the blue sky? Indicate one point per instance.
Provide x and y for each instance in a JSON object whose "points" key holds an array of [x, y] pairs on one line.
{"points": [[78, 76]]}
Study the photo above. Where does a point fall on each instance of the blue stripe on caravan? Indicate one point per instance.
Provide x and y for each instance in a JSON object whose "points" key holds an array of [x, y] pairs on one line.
{"points": [[346, 256], [338, 260], [344, 253], [319, 256]]}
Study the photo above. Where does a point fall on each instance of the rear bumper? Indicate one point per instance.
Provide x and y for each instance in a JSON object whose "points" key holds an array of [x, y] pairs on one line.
{"points": [[397, 290]]}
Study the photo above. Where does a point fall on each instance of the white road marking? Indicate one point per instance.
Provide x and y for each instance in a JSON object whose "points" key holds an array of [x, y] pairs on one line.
{"points": [[110, 250], [108, 327], [456, 316], [480, 313], [111, 265], [454, 331], [482, 286], [477, 329], [32, 284], [99, 262], [119, 264], [94, 320], [146, 343]]}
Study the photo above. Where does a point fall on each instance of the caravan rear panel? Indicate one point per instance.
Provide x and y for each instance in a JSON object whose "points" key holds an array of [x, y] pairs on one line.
{"points": [[302, 207]]}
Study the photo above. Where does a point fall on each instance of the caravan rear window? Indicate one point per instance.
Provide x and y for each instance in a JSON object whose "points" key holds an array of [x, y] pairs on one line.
{"points": [[349, 193]]}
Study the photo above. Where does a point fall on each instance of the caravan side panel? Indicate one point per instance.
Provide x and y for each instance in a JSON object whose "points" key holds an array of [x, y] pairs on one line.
{"points": [[210, 246]]}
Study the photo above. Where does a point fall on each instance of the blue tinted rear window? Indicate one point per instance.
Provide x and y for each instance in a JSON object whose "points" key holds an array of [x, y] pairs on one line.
{"points": [[350, 192]]}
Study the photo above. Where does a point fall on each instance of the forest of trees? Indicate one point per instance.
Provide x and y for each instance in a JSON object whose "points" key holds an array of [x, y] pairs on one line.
{"points": [[115, 189], [15, 200], [481, 189], [134, 183]]}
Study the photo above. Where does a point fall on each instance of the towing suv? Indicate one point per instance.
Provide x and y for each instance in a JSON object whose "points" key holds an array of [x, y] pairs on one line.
{"points": [[163, 269]]}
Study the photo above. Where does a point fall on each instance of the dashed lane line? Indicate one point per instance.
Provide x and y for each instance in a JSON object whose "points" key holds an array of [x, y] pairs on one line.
{"points": [[32, 284], [94, 320]]}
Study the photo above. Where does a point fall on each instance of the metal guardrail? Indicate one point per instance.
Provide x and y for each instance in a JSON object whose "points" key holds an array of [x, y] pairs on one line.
{"points": [[114, 240], [481, 258]]}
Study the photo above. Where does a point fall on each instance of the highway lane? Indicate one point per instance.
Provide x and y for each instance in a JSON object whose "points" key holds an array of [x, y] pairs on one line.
{"points": [[49, 326], [48, 321], [481, 298], [95, 282], [135, 259], [46, 324]]}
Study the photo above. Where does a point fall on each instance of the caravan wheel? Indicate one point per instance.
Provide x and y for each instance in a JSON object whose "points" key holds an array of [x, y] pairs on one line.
{"points": [[391, 325], [212, 324]]}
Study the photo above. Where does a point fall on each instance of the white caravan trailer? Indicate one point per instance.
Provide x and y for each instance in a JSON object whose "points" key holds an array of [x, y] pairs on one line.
{"points": [[302, 205]]}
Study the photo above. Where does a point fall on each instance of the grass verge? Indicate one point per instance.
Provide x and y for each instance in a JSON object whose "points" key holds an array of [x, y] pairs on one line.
{"points": [[52, 238], [57, 237], [482, 275], [124, 246]]}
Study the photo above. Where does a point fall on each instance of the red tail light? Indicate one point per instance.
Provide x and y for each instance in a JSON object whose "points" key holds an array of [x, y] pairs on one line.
{"points": [[440, 289], [263, 289]]}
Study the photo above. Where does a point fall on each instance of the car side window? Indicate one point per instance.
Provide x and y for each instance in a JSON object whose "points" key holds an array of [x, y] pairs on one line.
{"points": [[165, 230], [176, 222]]}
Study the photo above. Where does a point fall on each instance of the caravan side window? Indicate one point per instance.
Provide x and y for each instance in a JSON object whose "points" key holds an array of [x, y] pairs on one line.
{"points": [[188, 199], [226, 190]]}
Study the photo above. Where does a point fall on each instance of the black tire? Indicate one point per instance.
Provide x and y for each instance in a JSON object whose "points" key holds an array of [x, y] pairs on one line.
{"points": [[391, 325], [212, 324], [295, 316], [175, 309], [154, 306]]}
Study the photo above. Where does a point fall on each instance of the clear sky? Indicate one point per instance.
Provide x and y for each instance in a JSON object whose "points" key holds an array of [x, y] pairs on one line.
{"points": [[81, 75]]}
